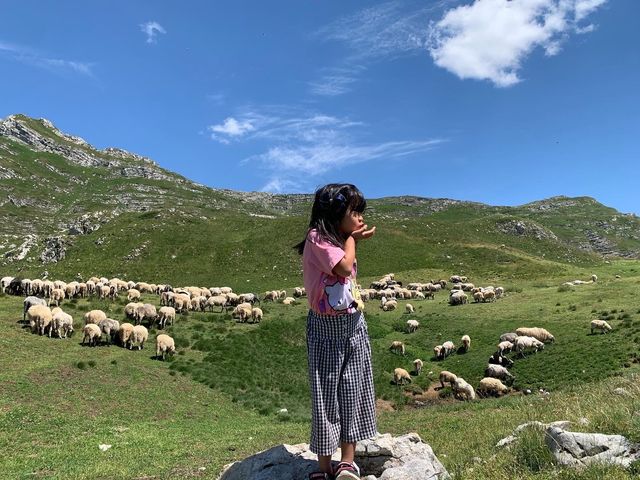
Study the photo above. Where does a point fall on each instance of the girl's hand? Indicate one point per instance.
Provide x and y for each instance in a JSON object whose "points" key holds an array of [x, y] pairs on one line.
{"points": [[362, 233]]}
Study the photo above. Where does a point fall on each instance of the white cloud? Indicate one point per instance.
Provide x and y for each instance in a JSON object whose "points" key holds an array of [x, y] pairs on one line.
{"points": [[151, 30], [230, 129], [489, 39], [332, 85], [32, 57]]}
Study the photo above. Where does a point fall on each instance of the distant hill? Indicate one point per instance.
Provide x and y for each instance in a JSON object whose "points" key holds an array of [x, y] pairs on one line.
{"points": [[67, 208]]}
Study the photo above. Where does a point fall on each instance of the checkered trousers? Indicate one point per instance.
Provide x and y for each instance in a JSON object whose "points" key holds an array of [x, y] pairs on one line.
{"points": [[341, 380]]}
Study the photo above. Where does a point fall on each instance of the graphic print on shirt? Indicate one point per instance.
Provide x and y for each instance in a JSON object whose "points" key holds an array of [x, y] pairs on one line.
{"points": [[339, 294]]}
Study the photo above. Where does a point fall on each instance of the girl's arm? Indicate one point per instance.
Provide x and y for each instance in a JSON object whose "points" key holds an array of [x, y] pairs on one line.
{"points": [[344, 266]]}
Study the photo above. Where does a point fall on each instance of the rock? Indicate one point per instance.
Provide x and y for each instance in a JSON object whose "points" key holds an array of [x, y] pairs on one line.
{"points": [[83, 226], [525, 228], [506, 441], [620, 391], [384, 457], [581, 449], [54, 250]]}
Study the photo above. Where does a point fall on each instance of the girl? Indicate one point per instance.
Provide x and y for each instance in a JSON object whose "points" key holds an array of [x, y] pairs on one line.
{"points": [[340, 377]]}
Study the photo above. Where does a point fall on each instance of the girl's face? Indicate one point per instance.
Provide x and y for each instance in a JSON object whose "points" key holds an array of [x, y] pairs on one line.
{"points": [[351, 221]]}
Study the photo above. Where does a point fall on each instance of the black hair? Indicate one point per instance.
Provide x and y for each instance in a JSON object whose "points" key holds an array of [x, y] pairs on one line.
{"points": [[330, 205]]}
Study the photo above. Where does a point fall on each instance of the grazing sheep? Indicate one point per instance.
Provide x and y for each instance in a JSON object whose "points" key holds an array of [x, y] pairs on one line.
{"points": [[182, 302], [271, 296], [40, 317], [505, 347], [125, 334], [412, 325], [498, 359], [242, 311], [400, 375], [29, 302], [499, 292], [537, 333], [139, 336], [217, 301], [104, 291], [417, 366], [437, 351], [463, 390], [93, 333], [408, 308], [467, 287], [488, 296], [466, 343], [94, 316], [146, 312], [56, 296], [289, 301], [447, 349], [299, 292], [61, 323], [498, 371], [4, 283], [164, 344], [458, 298], [133, 294], [508, 337], [256, 315], [390, 305], [130, 310], [166, 298], [594, 278], [397, 347], [601, 325], [110, 328], [478, 297], [166, 315], [492, 386], [524, 344], [446, 376]]}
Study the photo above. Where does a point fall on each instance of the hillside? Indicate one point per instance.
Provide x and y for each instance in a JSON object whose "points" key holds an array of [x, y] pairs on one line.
{"points": [[68, 208]]}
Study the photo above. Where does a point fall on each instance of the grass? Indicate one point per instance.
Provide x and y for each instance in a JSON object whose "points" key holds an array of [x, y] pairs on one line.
{"points": [[219, 398]]}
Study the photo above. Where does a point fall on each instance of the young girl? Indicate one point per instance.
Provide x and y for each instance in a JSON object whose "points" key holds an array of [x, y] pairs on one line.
{"points": [[340, 376]]}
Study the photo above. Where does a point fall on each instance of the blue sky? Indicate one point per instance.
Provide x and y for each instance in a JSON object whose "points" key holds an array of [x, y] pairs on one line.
{"points": [[498, 101]]}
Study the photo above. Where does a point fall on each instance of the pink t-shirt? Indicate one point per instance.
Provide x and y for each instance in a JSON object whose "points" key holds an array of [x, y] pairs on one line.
{"points": [[327, 293]]}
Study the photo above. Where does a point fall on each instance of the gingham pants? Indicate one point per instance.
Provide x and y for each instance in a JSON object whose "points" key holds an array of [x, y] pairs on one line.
{"points": [[341, 380]]}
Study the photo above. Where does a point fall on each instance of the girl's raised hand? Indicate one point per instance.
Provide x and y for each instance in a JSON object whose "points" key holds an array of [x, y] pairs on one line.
{"points": [[362, 233]]}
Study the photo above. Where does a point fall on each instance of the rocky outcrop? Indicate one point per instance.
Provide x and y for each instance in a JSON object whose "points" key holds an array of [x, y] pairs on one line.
{"points": [[525, 228], [580, 449], [54, 250], [83, 226], [144, 172], [384, 457]]}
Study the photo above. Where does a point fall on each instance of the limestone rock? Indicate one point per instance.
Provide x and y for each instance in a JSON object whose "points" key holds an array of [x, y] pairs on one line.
{"points": [[581, 449], [54, 250], [384, 457]]}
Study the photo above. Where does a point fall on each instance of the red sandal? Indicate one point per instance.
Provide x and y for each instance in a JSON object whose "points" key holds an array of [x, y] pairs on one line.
{"points": [[347, 471]]}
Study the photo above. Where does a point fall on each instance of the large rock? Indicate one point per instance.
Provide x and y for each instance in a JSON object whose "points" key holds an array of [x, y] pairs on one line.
{"points": [[580, 449], [382, 458]]}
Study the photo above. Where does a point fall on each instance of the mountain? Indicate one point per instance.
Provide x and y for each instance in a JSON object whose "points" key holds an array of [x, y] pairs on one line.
{"points": [[68, 208]]}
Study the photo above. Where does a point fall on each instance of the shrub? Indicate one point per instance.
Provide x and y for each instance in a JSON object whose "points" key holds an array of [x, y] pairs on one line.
{"points": [[91, 363], [81, 365]]}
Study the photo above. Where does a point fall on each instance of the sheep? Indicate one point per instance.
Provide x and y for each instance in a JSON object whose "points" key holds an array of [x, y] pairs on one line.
{"points": [[256, 315], [242, 311], [133, 294], [4, 283], [594, 278], [446, 376], [499, 292], [29, 302], [492, 386], [289, 301], [466, 343], [498, 359], [417, 366], [463, 390], [397, 347], [400, 375], [437, 351], [125, 335], [455, 288], [104, 292], [478, 297], [412, 325], [166, 298], [409, 308], [498, 371], [166, 315], [216, 301], [299, 292], [505, 347], [457, 298], [40, 317], [110, 328], [165, 344], [508, 337], [271, 296], [146, 312], [130, 310], [601, 325], [488, 295], [139, 336], [251, 298], [467, 287], [182, 302], [93, 333], [447, 349], [61, 323], [537, 333], [390, 305], [94, 316], [525, 343], [56, 296], [455, 279]]}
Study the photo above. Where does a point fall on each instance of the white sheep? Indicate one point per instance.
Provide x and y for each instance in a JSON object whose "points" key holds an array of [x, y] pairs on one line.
{"points": [[508, 337], [492, 386], [601, 325], [93, 333], [165, 345], [488, 295], [217, 301], [412, 325], [437, 351], [498, 371], [56, 296], [408, 308], [463, 390], [29, 302], [478, 297], [139, 336], [166, 315], [446, 376], [505, 347], [466, 342], [390, 305], [289, 301], [61, 324], [125, 334], [524, 344], [130, 310], [447, 349], [400, 375], [536, 332], [40, 317], [94, 316], [133, 294], [458, 298], [417, 366], [256, 315], [397, 347], [110, 328], [499, 292]]}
